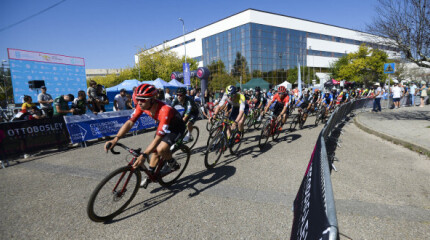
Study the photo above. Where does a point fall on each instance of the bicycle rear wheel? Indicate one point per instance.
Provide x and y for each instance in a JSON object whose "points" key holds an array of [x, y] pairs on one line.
{"points": [[264, 136], [236, 141], [195, 135], [294, 122], [113, 194], [214, 151], [182, 157]]}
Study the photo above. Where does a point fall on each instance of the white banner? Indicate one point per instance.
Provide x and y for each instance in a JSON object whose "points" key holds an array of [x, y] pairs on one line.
{"points": [[44, 57]]}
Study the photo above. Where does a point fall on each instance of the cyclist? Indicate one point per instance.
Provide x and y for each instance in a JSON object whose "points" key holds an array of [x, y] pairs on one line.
{"points": [[191, 111], [327, 101], [238, 104], [315, 100], [304, 105], [259, 100], [280, 110], [170, 128]]}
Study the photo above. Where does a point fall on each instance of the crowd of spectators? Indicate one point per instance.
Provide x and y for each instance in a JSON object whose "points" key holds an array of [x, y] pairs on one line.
{"points": [[95, 100]]}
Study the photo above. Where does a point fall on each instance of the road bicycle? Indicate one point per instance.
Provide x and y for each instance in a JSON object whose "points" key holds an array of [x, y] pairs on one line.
{"points": [[271, 127], [252, 119], [115, 192], [297, 120], [220, 142]]}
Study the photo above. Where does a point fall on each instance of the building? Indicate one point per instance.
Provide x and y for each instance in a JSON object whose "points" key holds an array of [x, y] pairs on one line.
{"points": [[91, 73], [270, 44]]}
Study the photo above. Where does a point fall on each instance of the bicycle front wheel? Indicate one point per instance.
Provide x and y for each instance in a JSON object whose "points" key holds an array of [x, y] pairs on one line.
{"points": [[235, 141], [214, 151], [113, 194], [277, 130], [264, 136], [182, 157], [293, 124], [195, 136]]}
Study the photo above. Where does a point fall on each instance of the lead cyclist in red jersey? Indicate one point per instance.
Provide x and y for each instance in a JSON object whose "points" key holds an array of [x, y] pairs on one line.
{"points": [[170, 127], [282, 102]]}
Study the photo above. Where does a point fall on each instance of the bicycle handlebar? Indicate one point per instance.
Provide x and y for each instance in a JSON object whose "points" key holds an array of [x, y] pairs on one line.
{"points": [[117, 144]]}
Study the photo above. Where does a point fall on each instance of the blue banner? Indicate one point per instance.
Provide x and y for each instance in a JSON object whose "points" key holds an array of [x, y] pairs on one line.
{"points": [[186, 68], [90, 126], [62, 74]]}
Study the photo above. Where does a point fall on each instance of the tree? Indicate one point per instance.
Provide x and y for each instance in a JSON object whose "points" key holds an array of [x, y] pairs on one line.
{"points": [[365, 66], [404, 24], [160, 64], [292, 74], [152, 65]]}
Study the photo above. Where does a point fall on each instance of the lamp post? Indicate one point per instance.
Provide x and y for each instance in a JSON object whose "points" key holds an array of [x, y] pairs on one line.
{"points": [[183, 32], [4, 79]]}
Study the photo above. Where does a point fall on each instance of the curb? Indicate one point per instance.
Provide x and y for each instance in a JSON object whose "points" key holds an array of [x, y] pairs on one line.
{"points": [[409, 145]]}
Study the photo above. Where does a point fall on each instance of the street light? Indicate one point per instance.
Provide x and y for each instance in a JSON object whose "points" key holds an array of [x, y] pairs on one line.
{"points": [[183, 32], [4, 79]]}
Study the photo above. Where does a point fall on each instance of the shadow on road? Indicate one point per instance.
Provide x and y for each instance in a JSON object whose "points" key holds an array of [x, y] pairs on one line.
{"points": [[198, 182]]}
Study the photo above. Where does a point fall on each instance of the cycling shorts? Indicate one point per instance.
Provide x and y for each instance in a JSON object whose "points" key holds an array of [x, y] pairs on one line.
{"points": [[235, 112], [193, 117], [172, 137]]}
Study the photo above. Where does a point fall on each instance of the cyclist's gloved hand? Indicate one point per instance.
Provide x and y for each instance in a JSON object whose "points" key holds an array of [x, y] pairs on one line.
{"points": [[110, 144]]}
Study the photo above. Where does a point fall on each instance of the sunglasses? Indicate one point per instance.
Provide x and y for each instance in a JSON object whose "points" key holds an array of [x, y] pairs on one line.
{"points": [[143, 100], [180, 95]]}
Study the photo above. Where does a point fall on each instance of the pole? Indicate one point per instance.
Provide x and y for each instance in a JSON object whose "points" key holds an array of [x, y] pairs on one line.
{"points": [[4, 81], [183, 32]]}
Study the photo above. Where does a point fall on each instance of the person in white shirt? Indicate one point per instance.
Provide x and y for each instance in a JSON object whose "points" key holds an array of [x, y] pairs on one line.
{"points": [[397, 94], [167, 97], [119, 103], [378, 96]]}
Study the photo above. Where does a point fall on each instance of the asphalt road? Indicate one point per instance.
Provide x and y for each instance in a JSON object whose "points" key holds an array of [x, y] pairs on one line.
{"points": [[245, 197]]}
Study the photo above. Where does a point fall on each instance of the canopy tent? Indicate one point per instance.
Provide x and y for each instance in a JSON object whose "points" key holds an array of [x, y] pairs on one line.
{"points": [[128, 85], [286, 84], [176, 83], [160, 83], [254, 83]]}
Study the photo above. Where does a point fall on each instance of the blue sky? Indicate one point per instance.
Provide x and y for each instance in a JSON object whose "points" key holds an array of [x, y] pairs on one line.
{"points": [[108, 33]]}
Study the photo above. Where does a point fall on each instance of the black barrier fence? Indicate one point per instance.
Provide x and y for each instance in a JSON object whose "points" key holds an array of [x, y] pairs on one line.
{"points": [[314, 206], [17, 138]]}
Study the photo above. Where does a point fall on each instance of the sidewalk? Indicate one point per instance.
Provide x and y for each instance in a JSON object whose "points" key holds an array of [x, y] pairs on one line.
{"points": [[408, 126]]}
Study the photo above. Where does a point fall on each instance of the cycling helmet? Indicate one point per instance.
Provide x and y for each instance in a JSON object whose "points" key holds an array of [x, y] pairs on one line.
{"points": [[182, 91], [144, 91], [282, 89], [257, 89], [230, 90]]}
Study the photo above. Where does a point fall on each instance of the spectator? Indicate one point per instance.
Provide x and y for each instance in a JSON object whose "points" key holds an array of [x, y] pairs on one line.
{"points": [[412, 93], [61, 105], [377, 96], [92, 95], [80, 104], [120, 101], [160, 94], [423, 95], [46, 101], [397, 94], [168, 97], [102, 100], [28, 104], [128, 103]]}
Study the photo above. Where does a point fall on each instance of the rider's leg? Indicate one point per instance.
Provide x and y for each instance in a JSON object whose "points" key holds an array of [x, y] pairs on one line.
{"points": [[241, 122], [190, 127], [163, 150]]}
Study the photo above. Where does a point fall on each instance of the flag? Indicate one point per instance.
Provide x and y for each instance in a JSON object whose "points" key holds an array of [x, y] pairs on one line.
{"points": [[299, 81]]}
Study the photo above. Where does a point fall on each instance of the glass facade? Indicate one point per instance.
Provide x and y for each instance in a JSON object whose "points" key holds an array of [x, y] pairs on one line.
{"points": [[269, 51]]}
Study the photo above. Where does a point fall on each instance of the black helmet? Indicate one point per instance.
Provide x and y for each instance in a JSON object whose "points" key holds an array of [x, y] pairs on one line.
{"points": [[230, 90], [181, 90], [257, 89]]}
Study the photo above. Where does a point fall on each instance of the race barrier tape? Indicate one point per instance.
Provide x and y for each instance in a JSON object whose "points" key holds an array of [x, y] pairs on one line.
{"points": [[90, 126], [32, 135]]}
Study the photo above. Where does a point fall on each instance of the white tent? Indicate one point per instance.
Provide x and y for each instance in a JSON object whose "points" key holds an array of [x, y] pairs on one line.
{"points": [[286, 84]]}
